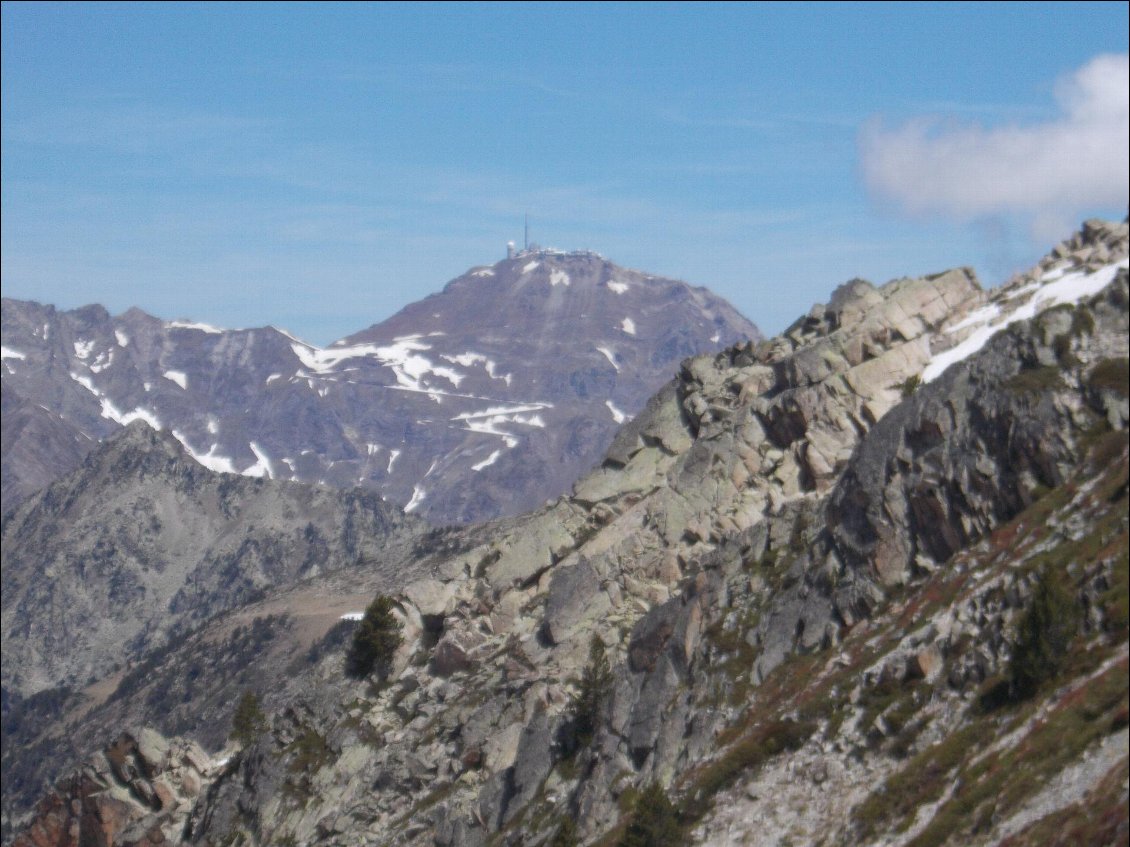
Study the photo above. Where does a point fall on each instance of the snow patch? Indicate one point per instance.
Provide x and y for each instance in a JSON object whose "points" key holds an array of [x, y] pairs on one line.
{"points": [[199, 327], [489, 421], [353, 616], [262, 466], [559, 277], [1024, 289], [372, 449], [617, 287], [483, 272], [628, 325], [470, 359], [529, 266], [1054, 273], [418, 497], [86, 383], [289, 335], [112, 412], [123, 339], [402, 357], [465, 359], [103, 361], [179, 377], [1070, 288], [9, 353], [495, 411], [986, 314], [109, 410], [617, 415], [211, 460], [610, 356], [272, 378], [488, 461], [393, 455], [213, 425], [715, 338], [83, 349]]}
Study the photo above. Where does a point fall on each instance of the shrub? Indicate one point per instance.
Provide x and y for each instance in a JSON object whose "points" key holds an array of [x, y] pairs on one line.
{"points": [[566, 835], [909, 385], [375, 642], [1061, 345], [248, 722], [1035, 381], [1111, 375], [655, 822], [1044, 635], [310, 752]]}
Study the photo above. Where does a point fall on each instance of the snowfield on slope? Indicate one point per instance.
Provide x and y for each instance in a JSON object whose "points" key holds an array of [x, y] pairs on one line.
{"points": [[1066, 288]]}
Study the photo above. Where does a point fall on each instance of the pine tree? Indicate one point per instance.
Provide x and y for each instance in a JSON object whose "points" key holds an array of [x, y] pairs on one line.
{"points": [[376, 640], [595, 691], [248, 722], [1044, 635]]}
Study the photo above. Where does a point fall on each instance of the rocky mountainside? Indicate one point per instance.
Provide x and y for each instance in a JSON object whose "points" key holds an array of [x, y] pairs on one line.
{"points": [[483, 400], [141, 545], [864, 583]]}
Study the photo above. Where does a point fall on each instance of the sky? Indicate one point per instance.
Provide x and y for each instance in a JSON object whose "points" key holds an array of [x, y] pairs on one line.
{"points": [[318, 167]]}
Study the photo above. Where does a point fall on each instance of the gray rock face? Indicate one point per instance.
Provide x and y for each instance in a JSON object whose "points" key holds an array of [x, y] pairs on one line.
{"points": [[483, 400], [38, 446], [788, 533]]}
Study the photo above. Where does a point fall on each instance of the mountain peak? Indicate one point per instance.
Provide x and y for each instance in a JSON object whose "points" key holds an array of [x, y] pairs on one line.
{"points": [[481, 400]]}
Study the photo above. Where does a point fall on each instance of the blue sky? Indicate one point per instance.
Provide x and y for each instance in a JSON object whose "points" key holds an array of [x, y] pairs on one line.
{"points": [[318, 167]]}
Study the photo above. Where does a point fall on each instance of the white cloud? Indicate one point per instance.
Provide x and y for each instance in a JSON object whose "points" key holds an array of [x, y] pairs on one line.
{"points": [[1048, 171]]}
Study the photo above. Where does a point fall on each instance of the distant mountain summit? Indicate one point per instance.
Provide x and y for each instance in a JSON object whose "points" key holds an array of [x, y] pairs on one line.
{"points": [[483, 400]]}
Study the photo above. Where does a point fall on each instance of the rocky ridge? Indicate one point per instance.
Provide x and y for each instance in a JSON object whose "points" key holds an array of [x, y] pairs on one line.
{"points": [[137, 791], [802, 560], [483, 400]]}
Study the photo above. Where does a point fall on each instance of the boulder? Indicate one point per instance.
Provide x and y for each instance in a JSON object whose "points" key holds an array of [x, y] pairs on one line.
{"points": [[575, 598], [432, 597]]}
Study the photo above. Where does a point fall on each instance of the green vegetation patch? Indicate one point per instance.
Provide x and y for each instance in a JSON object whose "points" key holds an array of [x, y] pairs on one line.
{"points": [[1111, 375], [1045, 633], [754, 750], [1099, 819], [248, 721], [309, 752], [923, 780], [997, 785], [655, 821], [1036, 380], [909, 385]]}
